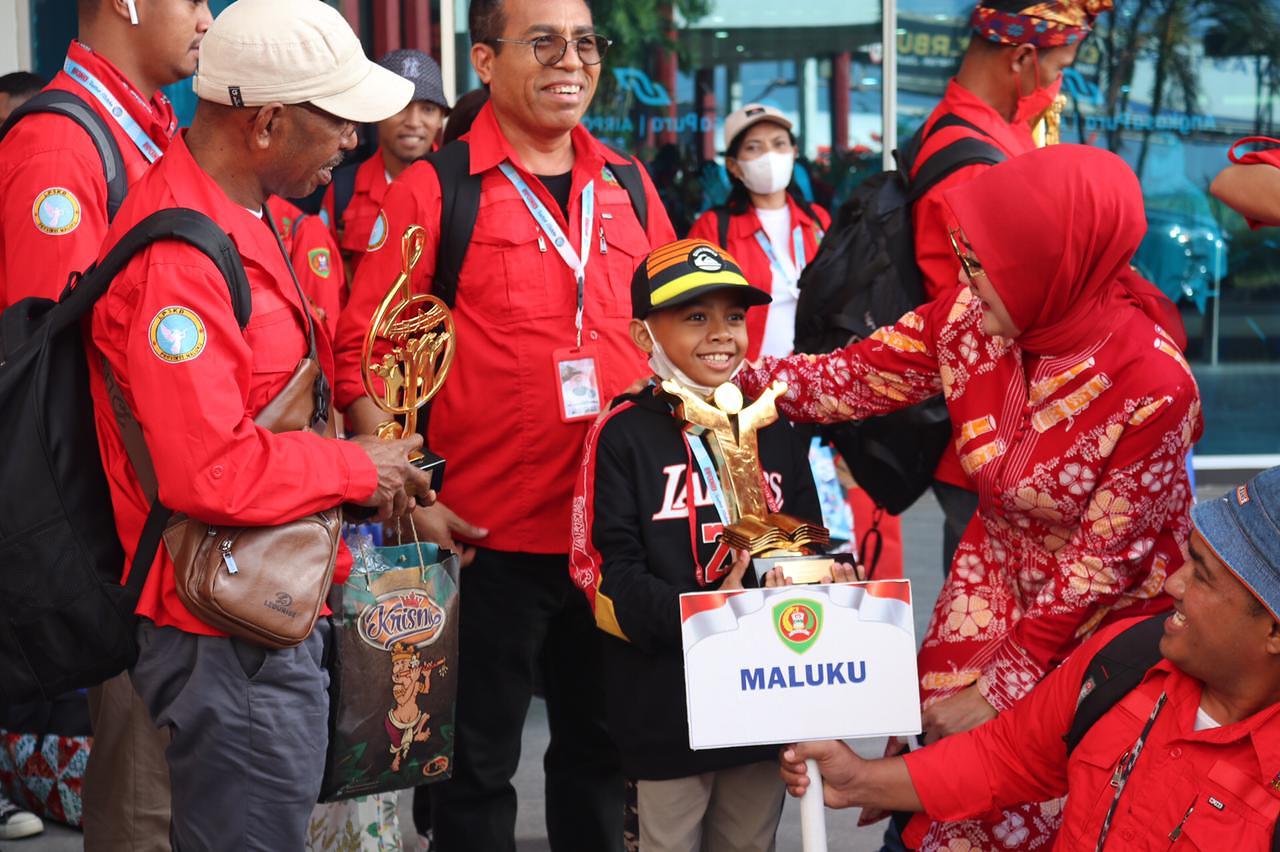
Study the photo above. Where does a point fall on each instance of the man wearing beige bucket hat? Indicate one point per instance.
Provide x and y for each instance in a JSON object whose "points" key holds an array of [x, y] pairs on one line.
{"points": [[281, 84]]}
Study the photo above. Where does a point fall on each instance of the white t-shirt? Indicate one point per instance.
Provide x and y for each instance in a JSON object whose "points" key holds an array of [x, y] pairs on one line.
{"points": [[1204, 721], [780, 325]]}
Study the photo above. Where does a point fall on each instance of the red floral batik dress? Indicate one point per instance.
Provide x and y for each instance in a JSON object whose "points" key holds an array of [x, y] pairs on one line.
{"points": [[1079, 462]]}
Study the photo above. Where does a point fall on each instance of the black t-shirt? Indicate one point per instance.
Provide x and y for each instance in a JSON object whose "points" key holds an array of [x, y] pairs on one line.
{"points": [[559, 186]]}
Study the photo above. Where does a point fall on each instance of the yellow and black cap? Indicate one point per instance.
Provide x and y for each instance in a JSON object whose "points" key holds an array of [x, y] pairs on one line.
{"points": [[682, 271]]}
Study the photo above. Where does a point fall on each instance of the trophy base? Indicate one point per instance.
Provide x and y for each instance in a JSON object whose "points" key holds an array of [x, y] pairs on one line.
{"points": [[431, 464], [799, 568]]}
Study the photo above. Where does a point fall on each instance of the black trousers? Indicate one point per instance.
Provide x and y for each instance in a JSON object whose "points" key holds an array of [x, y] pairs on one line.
{"points": [[519, 613]]}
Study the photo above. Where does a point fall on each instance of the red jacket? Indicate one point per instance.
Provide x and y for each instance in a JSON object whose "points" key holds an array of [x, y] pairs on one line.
{"points": [[352, 233], [196, 382], [752, 259], [512, 460], [931, 220], [315, 260], [53, 195], [1218, 784]]}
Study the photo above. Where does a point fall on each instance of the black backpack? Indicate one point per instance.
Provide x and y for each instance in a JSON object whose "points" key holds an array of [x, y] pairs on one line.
{"points": [[66, 620], [61, 102], [865, 276]]}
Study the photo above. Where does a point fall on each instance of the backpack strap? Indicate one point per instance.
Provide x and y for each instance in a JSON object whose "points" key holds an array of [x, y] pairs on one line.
{"points": [[72, 106], [968, 151], [1113, 673], [198, 230], [344, 188], [722, 225], [633, 183], [459, 208]]}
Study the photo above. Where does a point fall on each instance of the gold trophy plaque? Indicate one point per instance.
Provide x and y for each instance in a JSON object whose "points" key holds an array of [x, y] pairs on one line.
{"points": [[732, 433], [418, 345]]}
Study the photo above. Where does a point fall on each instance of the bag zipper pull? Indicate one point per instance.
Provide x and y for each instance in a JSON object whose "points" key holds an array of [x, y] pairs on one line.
{"points": [[227, 558]]}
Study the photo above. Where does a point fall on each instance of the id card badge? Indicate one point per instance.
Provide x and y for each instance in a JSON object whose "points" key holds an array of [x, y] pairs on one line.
{"points": [[578, 381]]}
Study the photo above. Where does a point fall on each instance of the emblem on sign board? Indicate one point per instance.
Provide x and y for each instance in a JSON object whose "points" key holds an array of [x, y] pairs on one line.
{"points": [[798, 623]]}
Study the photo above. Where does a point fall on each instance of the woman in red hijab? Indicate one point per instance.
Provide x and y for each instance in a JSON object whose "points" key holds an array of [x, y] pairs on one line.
{"points": [[1072, 410]]}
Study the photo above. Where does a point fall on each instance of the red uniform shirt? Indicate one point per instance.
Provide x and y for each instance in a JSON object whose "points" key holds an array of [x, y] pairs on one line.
{"points": [[1215, 784], [751, 258], [195, 381], [53, 195], [315, 260], [512, 460], [931, 220], [352, 233]]}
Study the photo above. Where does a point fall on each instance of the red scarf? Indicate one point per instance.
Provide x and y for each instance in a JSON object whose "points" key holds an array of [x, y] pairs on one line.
{"points": [[1055, 230]]}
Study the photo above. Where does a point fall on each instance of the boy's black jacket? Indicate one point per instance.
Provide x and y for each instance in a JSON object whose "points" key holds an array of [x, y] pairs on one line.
{"points": [[633, 547]]}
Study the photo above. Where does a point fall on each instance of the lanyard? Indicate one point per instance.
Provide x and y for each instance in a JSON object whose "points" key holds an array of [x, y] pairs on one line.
{"points": [[1124, 768], [121, 116], [790, 274], [709, 476], [542, 216]]}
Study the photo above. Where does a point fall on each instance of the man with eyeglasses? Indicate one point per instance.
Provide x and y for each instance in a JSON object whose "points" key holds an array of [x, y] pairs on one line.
{"points": [[281, 85], [545, 283]]}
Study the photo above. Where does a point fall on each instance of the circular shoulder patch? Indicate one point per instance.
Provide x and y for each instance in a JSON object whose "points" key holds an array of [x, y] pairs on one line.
{"points": [[318, 260], [378, 236], [56, 211], [176, 334]]}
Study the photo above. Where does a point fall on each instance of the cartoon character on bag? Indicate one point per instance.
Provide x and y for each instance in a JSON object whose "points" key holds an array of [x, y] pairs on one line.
{"points": [[406, 722]]}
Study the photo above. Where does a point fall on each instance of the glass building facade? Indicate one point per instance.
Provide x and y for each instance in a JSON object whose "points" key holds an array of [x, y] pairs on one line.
{"points": [[1166, 84]]}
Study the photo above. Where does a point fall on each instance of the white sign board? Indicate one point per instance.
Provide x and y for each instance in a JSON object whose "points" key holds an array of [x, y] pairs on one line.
{"points": [[800, 663]]}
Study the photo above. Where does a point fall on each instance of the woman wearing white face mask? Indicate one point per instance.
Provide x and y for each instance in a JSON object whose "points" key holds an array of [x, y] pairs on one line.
{"points": [[766, 224]]}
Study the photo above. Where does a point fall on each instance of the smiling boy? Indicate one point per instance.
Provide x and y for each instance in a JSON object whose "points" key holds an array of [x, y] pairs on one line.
{"points": [[645, 528]]}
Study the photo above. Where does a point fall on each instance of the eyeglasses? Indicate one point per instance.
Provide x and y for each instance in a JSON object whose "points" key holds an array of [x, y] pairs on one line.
{"points": [[550, 49], [347, 127], [972, 267]]}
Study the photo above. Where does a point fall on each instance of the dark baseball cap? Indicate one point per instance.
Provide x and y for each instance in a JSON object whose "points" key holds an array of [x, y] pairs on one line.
{"points": [[1243, 529], [421, 70], [682, 271]]}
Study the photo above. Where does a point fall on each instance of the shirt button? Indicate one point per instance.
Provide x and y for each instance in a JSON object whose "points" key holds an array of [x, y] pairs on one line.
{"points": [[1175, 752], [594, 335], [1127, 834], [216, 471]]}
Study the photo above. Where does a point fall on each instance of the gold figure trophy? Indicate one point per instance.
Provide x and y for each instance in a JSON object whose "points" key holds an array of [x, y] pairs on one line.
{"points": [[731, 431], [419, 329]]}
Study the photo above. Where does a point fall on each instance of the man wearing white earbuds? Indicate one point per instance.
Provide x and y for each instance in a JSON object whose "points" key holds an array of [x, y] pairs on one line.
{"points": [[53, 216]]}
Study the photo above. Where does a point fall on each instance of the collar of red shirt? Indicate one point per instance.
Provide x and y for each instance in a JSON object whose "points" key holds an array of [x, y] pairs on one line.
{"points": [[489, 148], [371, 178], [1184, 694], [156, 116], [742, 227], [1014, 139]]}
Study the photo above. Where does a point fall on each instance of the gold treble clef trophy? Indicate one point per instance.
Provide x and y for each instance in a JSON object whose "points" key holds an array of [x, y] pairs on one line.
{"points": [[419, 329], [731, 431]]}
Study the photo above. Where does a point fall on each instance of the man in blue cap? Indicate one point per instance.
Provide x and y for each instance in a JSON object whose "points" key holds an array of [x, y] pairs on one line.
{"points": [[1193, 749]]}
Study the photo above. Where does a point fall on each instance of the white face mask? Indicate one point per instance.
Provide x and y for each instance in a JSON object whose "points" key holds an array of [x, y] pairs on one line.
{"points": [[768, 173], [664, 368]]}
